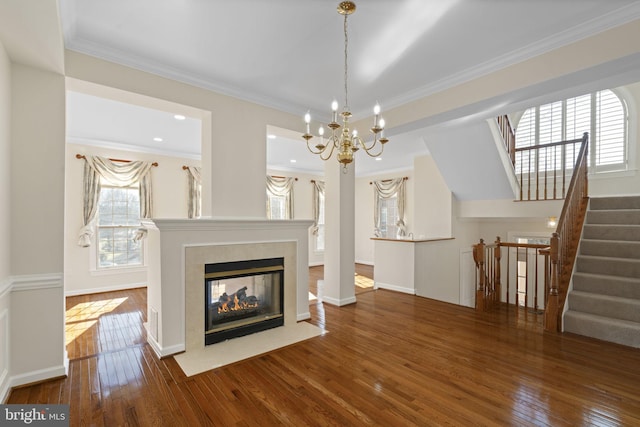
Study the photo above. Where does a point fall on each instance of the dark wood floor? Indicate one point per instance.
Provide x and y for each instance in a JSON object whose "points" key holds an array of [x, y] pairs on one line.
{"points": [[391, 359]]}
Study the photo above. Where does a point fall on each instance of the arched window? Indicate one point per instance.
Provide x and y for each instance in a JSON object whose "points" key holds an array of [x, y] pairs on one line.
{"points": [[602, 114]]}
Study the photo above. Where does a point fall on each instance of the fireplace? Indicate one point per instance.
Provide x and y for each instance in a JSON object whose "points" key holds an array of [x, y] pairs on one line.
{"points": [[243, 297]]}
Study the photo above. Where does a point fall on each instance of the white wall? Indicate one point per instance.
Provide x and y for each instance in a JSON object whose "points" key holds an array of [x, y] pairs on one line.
{"points": [[433, 201], [5, 218], [170, 196], [37, 217]]}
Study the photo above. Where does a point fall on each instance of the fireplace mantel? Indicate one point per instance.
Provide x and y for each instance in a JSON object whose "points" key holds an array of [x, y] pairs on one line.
{"points": [[231, 239]]}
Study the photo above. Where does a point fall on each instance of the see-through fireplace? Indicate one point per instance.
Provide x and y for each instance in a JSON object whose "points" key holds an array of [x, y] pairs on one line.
{"points": [[243, 297]]}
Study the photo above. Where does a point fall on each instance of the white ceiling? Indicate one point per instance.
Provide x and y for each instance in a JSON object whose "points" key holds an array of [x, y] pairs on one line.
{"points": [[288, 54]]}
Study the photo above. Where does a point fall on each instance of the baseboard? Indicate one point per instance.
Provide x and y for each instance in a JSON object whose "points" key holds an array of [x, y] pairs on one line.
{"points": [[39, 375], [303, 316], [365, 262], [105, 289], [339, 302], [316, 264], [381, 285], [164, 351]]}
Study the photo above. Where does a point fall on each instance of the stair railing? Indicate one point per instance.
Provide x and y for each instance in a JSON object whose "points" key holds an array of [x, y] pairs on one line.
{"points": [[542, 170], [565, 241], [525, 283], [508, 136], [559, 256]]}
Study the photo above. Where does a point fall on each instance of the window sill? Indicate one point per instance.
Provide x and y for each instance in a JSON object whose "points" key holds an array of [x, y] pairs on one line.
{"points": [[612, 174], [111, 271]]}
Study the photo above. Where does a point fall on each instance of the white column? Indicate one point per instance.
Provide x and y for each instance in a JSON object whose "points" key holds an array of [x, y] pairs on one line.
{"points": [[339, 252]]}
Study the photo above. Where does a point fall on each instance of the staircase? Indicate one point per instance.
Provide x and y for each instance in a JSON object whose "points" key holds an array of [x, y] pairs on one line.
{"points": [[605, 300]]}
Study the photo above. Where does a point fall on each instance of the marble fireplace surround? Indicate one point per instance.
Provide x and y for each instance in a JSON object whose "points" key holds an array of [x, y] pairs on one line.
{"points": [[197, 256], [177, 250]]}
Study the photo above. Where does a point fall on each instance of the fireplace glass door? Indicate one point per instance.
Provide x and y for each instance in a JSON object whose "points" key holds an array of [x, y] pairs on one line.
{"points": [[243, 297]]}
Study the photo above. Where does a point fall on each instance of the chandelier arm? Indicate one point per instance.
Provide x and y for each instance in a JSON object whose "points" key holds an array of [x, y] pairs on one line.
{"points": [[314, 151], [328, 156], [371, 147]]}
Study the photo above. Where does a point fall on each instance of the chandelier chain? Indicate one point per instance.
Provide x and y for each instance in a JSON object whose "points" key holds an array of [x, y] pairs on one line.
{"points": [[346, 43]]}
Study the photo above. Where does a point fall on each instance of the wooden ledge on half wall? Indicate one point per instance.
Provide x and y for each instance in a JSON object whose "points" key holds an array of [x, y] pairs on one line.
{"points": [[433, 239]]}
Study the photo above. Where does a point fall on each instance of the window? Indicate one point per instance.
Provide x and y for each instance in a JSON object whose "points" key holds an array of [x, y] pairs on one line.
{"points": [[388, 216], [320, 233], [280, 197], [118, 221], [602, 114], [277, 206]]}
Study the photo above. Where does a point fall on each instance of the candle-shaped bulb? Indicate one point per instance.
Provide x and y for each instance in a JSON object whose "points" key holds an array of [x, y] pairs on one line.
{"points": [[307, 120], [376, 109], [355, 133], [382, 123], [321, 131], [334, 105]]}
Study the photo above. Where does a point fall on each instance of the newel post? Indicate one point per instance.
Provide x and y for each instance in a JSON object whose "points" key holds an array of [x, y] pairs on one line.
{"points": [[478, 257], [551, 313], [496, 279]]}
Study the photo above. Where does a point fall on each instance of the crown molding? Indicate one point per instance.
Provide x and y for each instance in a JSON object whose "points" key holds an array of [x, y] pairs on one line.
{"points": [[131, 148]]}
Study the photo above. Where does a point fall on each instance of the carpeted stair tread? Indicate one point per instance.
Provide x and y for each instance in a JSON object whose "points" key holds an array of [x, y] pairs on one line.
{"points": [[614, 216], [628, 287], [613, 330], [628, 202], [610, 248], [611, 232], [605, 305], [624, 267]]}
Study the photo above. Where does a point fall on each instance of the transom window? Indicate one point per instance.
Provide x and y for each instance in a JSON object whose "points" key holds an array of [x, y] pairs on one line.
{"points": [[602, 114], [118, 222]]}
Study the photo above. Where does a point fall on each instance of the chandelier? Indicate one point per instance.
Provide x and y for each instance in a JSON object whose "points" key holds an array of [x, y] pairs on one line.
{"points": [[342, 138]]}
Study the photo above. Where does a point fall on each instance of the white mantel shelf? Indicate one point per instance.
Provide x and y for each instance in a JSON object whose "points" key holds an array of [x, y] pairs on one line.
{"points": [[168, 242]]}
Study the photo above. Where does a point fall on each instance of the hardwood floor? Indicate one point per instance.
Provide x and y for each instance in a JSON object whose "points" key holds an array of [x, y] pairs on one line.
{"points": [[391, 359]]}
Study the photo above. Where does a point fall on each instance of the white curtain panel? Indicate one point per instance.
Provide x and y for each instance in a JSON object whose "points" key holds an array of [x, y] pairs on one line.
{"points": [[386, 189], [97, 169], [318, 190], [195, 192]]}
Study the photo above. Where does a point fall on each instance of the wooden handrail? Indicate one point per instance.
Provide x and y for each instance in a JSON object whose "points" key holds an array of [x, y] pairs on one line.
{"points": [[508, 136], [567, 236], [542, 170], [559, 256]]}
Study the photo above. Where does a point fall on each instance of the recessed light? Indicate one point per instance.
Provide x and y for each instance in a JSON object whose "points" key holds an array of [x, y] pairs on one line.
{"points": [[271, 136], [179, 117], [292, 161], [378, 159], [157, 139]]}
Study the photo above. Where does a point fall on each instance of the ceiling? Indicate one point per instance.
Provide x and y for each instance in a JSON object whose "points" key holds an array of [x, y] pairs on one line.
{"points": [[288, 54]]}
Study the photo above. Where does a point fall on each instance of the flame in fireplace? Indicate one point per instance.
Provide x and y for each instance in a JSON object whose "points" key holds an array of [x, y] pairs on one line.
{"points": [[236, 301]]}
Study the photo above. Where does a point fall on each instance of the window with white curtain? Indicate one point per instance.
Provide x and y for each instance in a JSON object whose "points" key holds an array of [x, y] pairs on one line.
{"points": [[602, 114], [388, 211], [277, 206], [118, 222]]}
